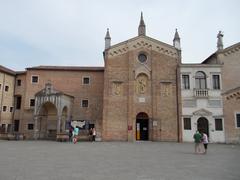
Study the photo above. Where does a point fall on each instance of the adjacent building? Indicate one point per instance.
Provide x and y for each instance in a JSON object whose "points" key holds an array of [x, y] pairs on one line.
{"points": [[202, 105], [49, 97], [7, 83], [229, 58]]}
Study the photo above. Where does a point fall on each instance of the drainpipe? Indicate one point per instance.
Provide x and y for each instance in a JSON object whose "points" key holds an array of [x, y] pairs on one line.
{"points": [[14, 104], [3, 85], [178, 99]]}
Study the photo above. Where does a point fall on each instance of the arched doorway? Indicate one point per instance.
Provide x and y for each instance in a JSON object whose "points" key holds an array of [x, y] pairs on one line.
{"points": [[48, 121], [202, 125], [142, 127]]}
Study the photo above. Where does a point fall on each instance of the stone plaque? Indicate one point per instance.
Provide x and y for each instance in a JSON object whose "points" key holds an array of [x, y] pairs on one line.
{"points": [[154, 123], [141, 100]]}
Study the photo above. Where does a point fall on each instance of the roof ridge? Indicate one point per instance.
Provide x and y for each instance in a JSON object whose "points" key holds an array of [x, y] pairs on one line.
{"points": [[7, 70]]}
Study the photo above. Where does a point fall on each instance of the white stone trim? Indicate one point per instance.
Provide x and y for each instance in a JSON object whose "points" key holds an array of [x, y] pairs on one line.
{"points": [[82, 103], [89, 77], [235, 118]]}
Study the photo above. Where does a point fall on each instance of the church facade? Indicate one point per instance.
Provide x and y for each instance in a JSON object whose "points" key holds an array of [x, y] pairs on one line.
{"points": [[143, 92]]}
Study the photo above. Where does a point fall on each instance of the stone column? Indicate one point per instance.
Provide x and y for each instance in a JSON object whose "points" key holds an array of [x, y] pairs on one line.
{"points": [[69, 118], [59, 124], [6, 128], [63, 124]]}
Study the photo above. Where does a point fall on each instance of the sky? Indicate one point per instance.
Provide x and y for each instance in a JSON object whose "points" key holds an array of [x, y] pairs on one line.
{"points": [[71, 32]]}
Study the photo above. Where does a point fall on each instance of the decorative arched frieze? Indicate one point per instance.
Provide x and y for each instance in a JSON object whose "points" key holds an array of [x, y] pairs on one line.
{"points": [[142, 42], [142, 70]]}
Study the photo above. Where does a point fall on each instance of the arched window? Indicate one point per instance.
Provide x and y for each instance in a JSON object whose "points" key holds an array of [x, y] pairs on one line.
{"points": [[200, 80]]}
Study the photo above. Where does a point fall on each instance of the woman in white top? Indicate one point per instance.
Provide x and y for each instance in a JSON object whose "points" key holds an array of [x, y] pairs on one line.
{"points": [[94, 134], [205, 142]]}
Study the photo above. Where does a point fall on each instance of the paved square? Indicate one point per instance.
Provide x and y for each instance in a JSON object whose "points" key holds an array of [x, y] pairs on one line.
{"points": [[49, 160]]}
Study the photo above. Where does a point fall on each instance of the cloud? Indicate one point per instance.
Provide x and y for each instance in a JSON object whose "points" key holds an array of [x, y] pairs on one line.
{"points": [[71, 32]]}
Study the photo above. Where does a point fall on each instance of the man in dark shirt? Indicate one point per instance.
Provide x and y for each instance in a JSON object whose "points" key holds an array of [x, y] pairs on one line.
{"points": [[197, 139]]}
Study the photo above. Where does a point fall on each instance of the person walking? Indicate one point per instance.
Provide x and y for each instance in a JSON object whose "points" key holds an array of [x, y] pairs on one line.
{"points": [[197, 139], [75, 134], [70, 134], [90, 134], [205, 142], [94, 134]]}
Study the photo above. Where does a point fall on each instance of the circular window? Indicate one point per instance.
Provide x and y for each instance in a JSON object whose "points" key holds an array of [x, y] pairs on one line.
{"points": [[142, 58]]}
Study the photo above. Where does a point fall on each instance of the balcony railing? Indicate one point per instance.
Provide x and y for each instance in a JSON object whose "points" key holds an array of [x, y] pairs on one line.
{"points": [[201, 92]]}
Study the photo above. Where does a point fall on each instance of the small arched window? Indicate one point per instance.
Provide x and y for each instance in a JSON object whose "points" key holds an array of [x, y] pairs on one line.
{"points": [[200, 80]]}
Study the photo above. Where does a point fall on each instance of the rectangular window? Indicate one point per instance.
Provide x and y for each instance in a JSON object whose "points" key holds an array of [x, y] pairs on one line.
{"points": [[6, 88], [4, 108], [16, 125], [30, 126], [34, 79], [187, 123], [86, 80], [11, 109], [85, 103], [200, 83], [32, 102], [238, 120], [19, 82], [18, 102], [216, 81], [3, 128], [218, 125], [185, 80]]}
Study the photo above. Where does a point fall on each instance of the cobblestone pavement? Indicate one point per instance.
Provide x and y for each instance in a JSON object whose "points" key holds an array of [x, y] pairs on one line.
{"points": [[49, 160]]}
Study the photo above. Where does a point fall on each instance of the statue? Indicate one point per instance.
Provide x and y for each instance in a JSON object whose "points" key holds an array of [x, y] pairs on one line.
{"points": [[142, 84], [220, 40], [117, 88]]}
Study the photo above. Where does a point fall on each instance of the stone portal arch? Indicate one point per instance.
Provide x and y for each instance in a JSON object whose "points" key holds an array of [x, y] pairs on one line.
{"points": [[142, 126], [203, 125], [52, 111], [47, 121]]}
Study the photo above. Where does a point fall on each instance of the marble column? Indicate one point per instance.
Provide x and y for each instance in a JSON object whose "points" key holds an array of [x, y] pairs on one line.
{"points": [[59, 124], [6, 128], [63, 124]]}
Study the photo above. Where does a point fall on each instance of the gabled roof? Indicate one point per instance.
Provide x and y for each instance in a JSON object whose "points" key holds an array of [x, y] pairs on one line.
{"points": [[6, 70], [232, 93], [230, 48], [202, 112], [20, 72], [141, 42], [138, 37], [51, 91], [66, 68], [233, 90]]}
